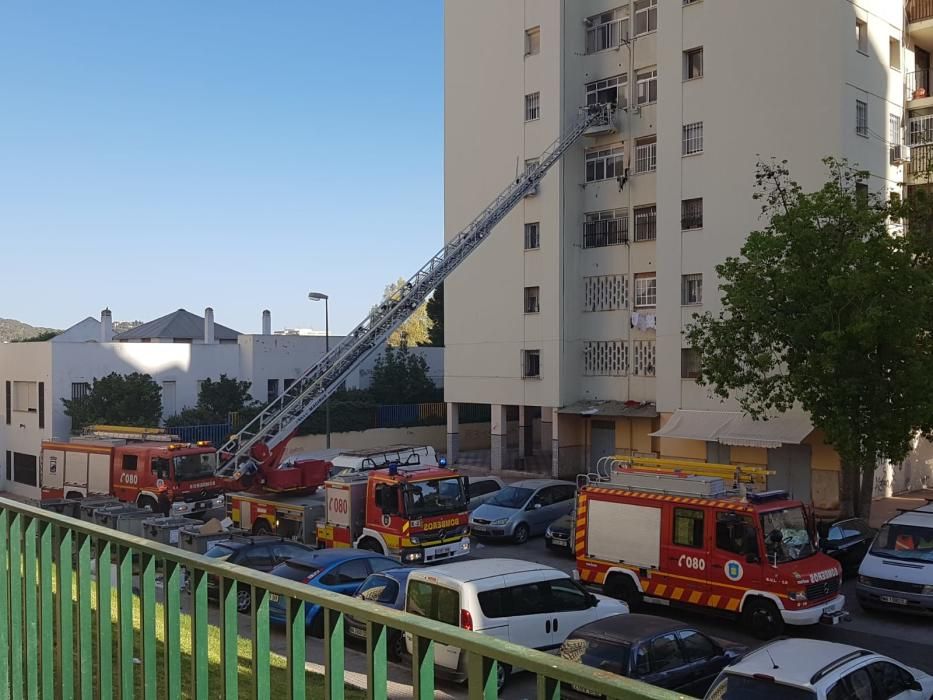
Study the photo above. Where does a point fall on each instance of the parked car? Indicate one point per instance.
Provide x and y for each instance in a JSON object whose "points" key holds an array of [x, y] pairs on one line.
{"points": [[518, 601], [651, 649], [559, 534], [257, 552], [482, 488], [338, 570], [523, 509], [808, 669], [386, 588], [897, 572], [847, 541]]}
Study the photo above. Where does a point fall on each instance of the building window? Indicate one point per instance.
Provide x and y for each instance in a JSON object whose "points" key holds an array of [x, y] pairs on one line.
{"points": [[24, 469], [691, 2], [532, 41], [646, 86], [646, 155], [272, 389], [605, 228], [646, 16], [532, 236], [894, 51], [861, 192], [532, 106], [646, 223], [693, 64], [861, 36], [531, 164], [643, 358], [646, 290], [606, 30], [531, 364], [894, 129], [605, 358], [693, 138], [688, 527], [80, 390], [605, 163], [532, 300], [286, 384], [608, 91], [605, 293], [861, 118], [691, 289], [25, 397], [691, 214], [689, 363], [130, 462]]}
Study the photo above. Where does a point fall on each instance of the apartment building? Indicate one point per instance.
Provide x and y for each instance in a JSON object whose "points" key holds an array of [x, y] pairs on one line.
{"points": [[574, 311]]}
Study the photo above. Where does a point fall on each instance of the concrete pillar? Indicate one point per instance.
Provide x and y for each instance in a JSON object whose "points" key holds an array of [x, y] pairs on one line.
{"points": [[546, 429], [522, 429], [453, 432], [555, 444], [497, 439], [208, 326]]}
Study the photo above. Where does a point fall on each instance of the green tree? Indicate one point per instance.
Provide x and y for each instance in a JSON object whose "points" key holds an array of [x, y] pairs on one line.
{"points": [[399, 376], [435, 311], [38, 337], [415, 330], [216, 401], [117, 399], [827, 310]]}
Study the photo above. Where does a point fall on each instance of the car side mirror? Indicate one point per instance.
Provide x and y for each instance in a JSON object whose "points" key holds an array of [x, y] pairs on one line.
{"points": [[466, 488], [594, 601], [536, 506], [915, 685]]}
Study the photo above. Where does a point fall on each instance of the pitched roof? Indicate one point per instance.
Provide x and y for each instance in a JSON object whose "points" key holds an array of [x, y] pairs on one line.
{"points": [[178, 324]]}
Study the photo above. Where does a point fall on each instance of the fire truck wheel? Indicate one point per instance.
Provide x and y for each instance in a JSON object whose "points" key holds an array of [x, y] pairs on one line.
{"points": [[621, 587], [150, 503], [243, 600], [762, 618], [370, 545], [520, 536], [397, 647], [502, 675], [262, 527]]}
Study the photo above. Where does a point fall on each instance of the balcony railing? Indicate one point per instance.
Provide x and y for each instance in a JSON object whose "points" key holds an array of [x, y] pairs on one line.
{"points": [[920, 130], [921, 162], [919, 10], [917, 84], [599, 234], [69, 591]]}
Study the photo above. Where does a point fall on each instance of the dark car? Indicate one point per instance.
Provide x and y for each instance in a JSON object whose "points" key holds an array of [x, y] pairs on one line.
{"points": [[257, 552], [386, 588], [558, 534], [847, 541], [651, 649]]}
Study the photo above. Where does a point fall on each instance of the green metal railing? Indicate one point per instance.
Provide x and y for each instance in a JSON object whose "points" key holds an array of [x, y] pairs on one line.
{"points": [[69, 590]]}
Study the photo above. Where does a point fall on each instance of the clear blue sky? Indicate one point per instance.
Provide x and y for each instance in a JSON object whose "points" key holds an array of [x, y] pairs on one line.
{"points": [[230, 154]]}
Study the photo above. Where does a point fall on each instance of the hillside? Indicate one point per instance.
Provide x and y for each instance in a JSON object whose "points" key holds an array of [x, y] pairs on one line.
{"points": [[11, 329]]}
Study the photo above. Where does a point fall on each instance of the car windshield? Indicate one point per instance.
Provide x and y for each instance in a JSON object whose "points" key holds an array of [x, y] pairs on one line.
{"points": [[786, 535], [434, 497], [511, 497], [731, 686], [909, 542], [192, 467], [218, 551], [296, 571]]}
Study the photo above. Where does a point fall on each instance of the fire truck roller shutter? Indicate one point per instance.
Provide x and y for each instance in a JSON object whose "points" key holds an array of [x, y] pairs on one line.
{"points": [[98, 474], [53, 470], [624, 533]]}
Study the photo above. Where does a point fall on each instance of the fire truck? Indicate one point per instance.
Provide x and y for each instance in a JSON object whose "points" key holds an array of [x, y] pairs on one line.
{"points": [[649, 532], [418, 514], [142, 466]]}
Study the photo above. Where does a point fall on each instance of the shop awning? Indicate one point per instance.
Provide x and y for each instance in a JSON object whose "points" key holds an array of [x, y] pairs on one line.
{"points": [[737, 429], [614, 409]]}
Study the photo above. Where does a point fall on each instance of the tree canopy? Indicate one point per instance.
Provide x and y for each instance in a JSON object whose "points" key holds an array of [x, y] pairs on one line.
{"points": [[117, 399], [216, 401], [415, 330], [400, 376], [435, 310], [830, 308]]}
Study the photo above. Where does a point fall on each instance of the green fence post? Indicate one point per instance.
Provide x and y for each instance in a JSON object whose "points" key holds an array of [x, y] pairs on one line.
{"points": [[548, 688], [46, 611], [295, 652], [4, 606], [16, 606], [334, 641], [30, 592], [66, 630], [228, 637], [104, 618], [377, 667], [148, 626], [85, 643], [199, 633], [259, 625], [482, 673], [171, 624], [422, 667], [125, 619]]}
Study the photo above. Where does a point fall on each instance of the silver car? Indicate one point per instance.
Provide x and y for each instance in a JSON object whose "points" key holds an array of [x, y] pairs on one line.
{"points": [[482, 488], [523, 509]]}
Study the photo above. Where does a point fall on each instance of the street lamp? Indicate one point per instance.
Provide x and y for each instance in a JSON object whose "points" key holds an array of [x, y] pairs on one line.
{"points": [[319, 296]]}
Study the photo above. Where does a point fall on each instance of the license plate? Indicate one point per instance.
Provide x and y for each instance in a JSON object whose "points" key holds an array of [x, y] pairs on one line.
{"points": [[895, 601], [559, 543], [200, 506], [478, 528], [274, 597], [354, 632], [585, 691]]}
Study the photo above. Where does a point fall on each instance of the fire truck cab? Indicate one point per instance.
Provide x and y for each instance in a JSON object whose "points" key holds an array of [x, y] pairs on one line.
{"points": [[418, 514], [680, 539]]}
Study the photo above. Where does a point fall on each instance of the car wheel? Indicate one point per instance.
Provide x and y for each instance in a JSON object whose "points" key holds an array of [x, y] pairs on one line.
{"points": [[262, 527], [621, 587], [520, 536], [763, 619], [370, 545], [397, 648], [502, 676], [243, 600], [316, 627]]}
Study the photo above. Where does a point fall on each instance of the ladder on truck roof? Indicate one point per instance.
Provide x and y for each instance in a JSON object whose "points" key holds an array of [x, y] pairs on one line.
{"points": [[606, 467], [281, 417]]}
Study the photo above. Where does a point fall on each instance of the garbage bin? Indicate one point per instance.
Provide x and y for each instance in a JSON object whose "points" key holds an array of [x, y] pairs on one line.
{"points": [[131, 521], [107, 515], [90, 505], [63, 506], [192, 540], [164, 530]]}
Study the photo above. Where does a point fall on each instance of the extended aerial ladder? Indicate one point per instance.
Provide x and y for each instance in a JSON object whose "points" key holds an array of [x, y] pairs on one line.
{"points": [[262, 441]]}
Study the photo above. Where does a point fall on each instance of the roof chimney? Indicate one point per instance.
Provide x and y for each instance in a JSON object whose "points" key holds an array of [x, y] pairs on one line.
{"points": [[266, 322], [106, 326], [208, 326]]}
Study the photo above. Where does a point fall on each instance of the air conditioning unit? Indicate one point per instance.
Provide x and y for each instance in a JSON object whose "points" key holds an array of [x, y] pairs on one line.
{"points": [[532, 192], [900, 154]]}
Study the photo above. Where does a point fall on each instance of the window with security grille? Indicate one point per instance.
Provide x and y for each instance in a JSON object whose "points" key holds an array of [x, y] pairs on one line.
{"points": [[693, 138], [646, 155], [605, 358], [861, 118], [605, 293], [605, 228], [646, 290], [693, 64], [646, 16], [643, 358], [691, 214], [80, 390], [646, 86], [604, 163], [532, 106], [606, 30], [689, 363], [532, 235], [532, 300], [531, 364], [607, 91], [691, 289], [646, 223]]}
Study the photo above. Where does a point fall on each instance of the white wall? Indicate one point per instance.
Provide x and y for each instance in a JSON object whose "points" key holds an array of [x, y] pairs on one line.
{"points": [[265, 357]]}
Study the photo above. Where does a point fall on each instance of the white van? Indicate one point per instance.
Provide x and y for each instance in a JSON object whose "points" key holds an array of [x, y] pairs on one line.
{"points": [[517, 601], [897, 572], [346, 461]]}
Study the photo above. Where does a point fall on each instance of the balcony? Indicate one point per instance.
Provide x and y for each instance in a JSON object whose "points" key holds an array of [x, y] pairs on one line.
{"points": [[920, 23], [919, 10]]}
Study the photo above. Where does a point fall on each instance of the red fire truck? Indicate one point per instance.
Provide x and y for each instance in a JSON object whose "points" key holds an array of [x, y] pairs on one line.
{"points": [[168, 477], [682, 539], [418, 514]]}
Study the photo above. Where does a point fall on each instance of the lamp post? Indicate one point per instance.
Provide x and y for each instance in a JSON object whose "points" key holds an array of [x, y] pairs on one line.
{"points": [[318, 296]]}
